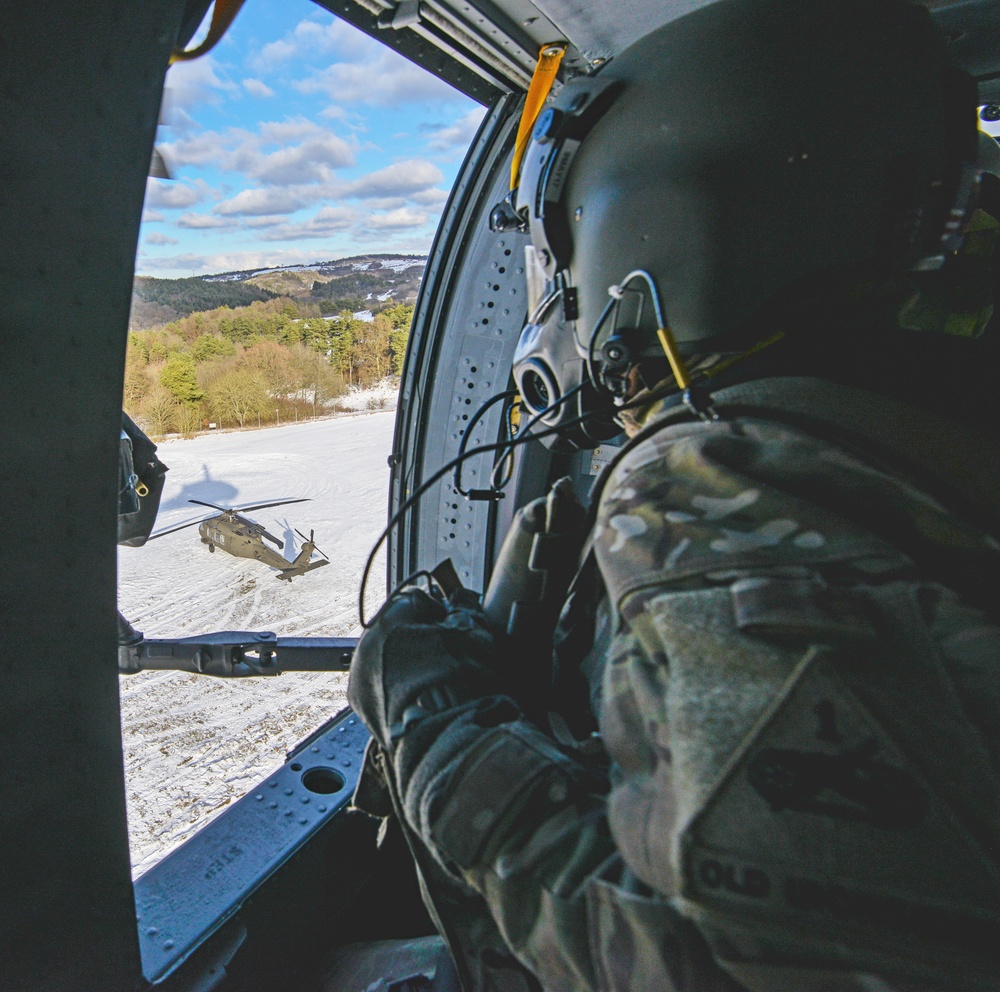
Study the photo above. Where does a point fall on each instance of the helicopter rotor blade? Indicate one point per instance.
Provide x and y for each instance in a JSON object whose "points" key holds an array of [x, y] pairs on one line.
{"points": [[272, 538], [264, 506], [310, 540], [201, 502], [171, 530], [246, 509]]}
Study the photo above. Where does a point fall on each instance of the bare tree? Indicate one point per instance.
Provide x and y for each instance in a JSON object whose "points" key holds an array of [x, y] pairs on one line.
{"points": [[159, 410], [238, 395], [371, 350]]}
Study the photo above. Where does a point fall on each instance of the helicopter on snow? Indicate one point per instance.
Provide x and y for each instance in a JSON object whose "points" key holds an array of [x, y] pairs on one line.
{"points": [[244, 538]]}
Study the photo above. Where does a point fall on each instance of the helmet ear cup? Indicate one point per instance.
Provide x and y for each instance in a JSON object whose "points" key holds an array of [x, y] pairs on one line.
{"points": [[537, 385]]}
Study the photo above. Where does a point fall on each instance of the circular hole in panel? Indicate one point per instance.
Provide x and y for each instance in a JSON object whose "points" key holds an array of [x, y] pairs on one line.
{"points": [[323, 781], [296, 767], [496, 286], [507, 252], [473, 369], [486, 320], [503, 268]]}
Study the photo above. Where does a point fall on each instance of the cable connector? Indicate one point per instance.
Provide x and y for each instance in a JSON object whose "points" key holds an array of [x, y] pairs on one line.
{"points": [[699, 402]]}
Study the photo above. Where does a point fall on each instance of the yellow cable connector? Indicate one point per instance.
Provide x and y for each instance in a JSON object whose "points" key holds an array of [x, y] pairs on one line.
{"points": [[222, 16], [541, 85], [669, 346]]}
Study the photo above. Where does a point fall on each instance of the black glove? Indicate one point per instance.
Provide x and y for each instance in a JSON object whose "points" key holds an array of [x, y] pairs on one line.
{"points": [[420, 657]]}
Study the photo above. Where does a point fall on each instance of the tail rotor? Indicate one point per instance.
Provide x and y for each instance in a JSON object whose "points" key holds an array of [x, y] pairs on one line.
{"points": [[309, 540]]}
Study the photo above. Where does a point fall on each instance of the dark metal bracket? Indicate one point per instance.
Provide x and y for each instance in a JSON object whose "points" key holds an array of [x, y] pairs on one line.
{"points": [[233, 653]]}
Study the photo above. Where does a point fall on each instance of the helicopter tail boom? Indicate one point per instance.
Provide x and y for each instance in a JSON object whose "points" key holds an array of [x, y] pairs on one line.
{"points": [[302, 564], [295, 569]]}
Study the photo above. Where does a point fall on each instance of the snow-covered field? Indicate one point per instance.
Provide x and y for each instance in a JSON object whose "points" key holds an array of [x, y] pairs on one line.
{"points": [[193, 743]]}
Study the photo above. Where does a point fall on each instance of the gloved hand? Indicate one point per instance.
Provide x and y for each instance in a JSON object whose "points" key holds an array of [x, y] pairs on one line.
{"points": [[422, 656]]}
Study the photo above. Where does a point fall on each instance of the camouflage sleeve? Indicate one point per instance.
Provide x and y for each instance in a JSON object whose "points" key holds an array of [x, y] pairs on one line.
{"points": [[686, 514], [501, 807]]}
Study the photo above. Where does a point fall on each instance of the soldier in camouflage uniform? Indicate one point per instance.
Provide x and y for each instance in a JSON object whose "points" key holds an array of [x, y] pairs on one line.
{"points": [[789, 589]]}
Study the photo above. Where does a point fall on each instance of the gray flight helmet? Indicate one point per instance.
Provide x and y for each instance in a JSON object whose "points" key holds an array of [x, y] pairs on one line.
{"points": [[743, 150]]}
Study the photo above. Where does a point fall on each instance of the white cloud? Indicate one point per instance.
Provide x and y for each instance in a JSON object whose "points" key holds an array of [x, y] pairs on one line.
{"points": [[308, 152], [286, 131], [152, 216], [191, 84], [187, 262], [386, 79], [311, 37], [458, 135], [204, 148], [157, 238], [200, 222], [397, 219], [170, 194], [273, 53], [257, 88], [430, 197], [312, 161], [406, 243], [363, 71], [399, 179], [259, 202], [267, 220], [387, 203], [328, 221], [194, 264]]}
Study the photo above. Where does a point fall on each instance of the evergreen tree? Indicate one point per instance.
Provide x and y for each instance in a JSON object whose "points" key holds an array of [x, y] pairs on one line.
{"points": [[179, 377], [209, 346]]}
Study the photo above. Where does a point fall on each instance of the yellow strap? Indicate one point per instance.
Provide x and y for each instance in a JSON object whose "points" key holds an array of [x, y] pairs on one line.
{"points": [[541, 84], [222, 16], [677, 365]]}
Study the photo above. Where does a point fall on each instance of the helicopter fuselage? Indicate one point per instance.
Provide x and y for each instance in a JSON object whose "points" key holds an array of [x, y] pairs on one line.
{"points": [[242, 538]]}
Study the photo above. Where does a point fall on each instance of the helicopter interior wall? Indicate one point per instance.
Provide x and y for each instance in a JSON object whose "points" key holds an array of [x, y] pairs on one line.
{"points": [[462, 344], [80, 92]]}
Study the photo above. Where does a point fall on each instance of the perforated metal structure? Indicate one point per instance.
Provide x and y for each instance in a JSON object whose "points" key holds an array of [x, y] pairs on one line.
{"points": [[461, 350]]}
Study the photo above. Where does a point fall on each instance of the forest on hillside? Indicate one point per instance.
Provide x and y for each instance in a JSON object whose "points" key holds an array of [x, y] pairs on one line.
{"points": [[364, 282], [270, 361]]}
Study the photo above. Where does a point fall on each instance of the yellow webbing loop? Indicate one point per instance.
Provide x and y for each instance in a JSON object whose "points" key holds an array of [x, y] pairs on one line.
{"points": [[222, 16], [544, 76]]}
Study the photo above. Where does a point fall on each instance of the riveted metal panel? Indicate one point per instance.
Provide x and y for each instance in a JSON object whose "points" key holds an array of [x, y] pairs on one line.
{"points": [[189, 895], [468, 320]]}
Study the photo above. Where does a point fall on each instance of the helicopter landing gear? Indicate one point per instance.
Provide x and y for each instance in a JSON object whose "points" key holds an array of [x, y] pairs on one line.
{"points": [[211, 548]]}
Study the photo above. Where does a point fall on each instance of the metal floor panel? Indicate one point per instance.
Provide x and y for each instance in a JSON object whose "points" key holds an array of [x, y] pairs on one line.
{"points": [[191, 893]]}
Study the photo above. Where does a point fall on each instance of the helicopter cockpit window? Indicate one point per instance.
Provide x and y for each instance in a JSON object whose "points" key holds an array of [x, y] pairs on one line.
{"points": [[275, 281]]}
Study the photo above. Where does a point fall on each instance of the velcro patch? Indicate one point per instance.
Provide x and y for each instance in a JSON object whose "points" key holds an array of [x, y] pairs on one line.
{"points": [[822, 830]]}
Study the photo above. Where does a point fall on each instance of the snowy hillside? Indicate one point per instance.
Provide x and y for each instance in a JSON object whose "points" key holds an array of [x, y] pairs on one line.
{"points": [[192, 743]]}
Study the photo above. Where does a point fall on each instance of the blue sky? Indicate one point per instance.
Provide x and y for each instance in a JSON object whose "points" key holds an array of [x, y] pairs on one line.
{"points": [[299, 139]]}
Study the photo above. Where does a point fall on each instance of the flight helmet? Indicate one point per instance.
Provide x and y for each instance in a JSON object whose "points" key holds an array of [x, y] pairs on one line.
{"points": [[747, 153]]}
